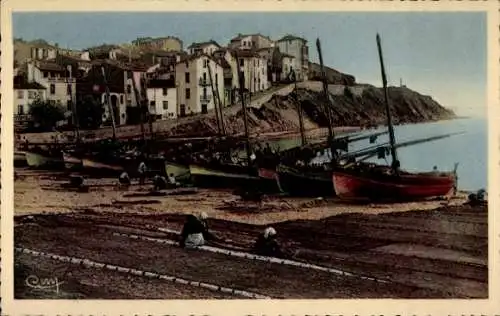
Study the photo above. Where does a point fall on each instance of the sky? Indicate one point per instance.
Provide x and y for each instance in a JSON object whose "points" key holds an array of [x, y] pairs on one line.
{"points": [[441, 54]]}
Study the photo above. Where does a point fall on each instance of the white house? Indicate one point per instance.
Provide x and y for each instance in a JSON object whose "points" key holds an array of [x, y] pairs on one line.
{"points": [[296, 47], [60, 85], [162, 98], [250, 41], [194, 89], [254, 69], [25, 93], [207, 48]]}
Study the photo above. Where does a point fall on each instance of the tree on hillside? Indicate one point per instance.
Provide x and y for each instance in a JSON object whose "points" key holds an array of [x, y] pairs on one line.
{"points": [[45, 115], [89, 112]]}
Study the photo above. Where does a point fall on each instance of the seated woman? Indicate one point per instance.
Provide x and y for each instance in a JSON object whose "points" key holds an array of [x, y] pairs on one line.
{"points": [[266, 244], [195, 231]]}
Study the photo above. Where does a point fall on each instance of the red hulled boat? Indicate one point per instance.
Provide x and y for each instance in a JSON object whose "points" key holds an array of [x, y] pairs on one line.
{"points": [[375, 182], [380, 185]]}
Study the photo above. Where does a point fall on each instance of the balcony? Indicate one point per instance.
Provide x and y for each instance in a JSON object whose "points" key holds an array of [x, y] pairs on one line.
{"points": [[60, 80], [205, 98], [22, 118], [204, 82]]}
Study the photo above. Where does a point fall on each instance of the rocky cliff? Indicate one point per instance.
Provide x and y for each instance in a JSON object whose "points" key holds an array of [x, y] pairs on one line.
{"points": [[359, 105]]}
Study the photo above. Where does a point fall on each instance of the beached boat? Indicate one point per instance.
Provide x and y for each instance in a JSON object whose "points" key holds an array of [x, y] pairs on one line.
{"points": [[383, 185], [223, 176], [376, 182], [71, 162], [20, 159], [101, 168], [305, 183], [36, 160], [180, 172]]}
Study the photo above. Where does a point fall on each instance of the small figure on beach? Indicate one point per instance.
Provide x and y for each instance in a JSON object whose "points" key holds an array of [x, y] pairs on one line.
{"points": [[159, 183], [478, 198], [195, 231], [124, 179], [172, 181], [142, 169], [267, 245]]}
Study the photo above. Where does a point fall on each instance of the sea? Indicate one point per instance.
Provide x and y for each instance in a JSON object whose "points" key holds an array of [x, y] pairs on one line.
{"points": [[469, 150]]}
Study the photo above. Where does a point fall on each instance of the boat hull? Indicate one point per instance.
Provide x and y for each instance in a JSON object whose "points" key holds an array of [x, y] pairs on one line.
{"points": [[224, 177], [101, 169], [71, 162], [39, 161], [407, 187], [20, 159], [269, 179], [180, 172], [310, 184]]}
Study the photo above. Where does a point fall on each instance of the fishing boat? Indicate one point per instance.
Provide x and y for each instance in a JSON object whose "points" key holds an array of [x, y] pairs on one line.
{"points": [[20, 159], [36, 160], [180, 172], [223, 175], [313, 183], [377, 182], [102, 169], [71, 162]]}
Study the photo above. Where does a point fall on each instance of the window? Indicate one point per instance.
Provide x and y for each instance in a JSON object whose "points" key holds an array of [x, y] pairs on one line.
{"points": [[20, 94], [164, 90], [31, 95], [187, 77], [121, 99], [165, 105], [204, 109], [69, 89], [204, 77], [205, 92], [216, 79], [52, 89], [205, 63], [152, 103], [20, 109], [188, 93], [129, 89], [242, 62], [45, 74]]}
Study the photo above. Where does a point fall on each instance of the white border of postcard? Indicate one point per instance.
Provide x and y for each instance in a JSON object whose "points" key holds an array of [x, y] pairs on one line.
{"points": [[10, 306]]}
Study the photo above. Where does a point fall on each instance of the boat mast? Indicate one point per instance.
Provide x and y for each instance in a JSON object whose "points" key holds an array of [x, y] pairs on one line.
{"points": [[219, 127], [245, 118], [299, 110], [76, 123], [108, 101], [139, 104], [327, 105], [392, 139]]}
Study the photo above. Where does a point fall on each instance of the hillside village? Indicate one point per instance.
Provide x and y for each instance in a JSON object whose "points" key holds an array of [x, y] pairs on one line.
{"points": [[168, 79]]}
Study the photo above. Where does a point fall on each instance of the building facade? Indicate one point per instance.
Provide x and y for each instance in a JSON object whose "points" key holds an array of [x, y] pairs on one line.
{"points": [[58, 82], [162, 98], [194, 93], [298, 48], [169, 43], [207, 48], [250, 41], [254, 70], [25, 93]]}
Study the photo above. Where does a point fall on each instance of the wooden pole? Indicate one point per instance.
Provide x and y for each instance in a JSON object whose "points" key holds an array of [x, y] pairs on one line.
{"points": [[299, 110], [219, 130], [245, 118], [108, 101], [73, 106], [327, 107], [392, 139]]}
